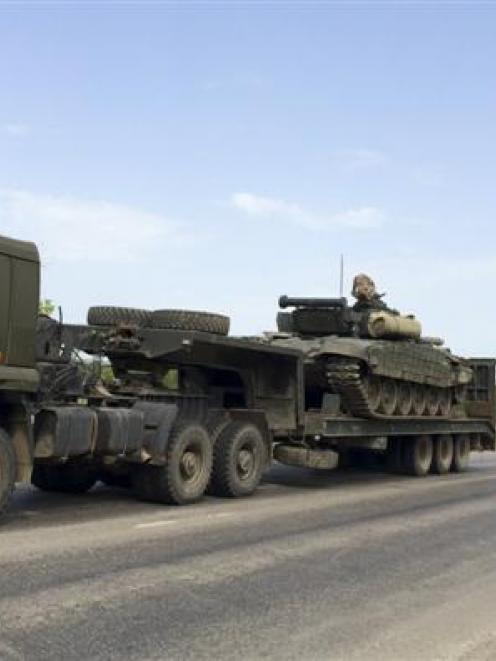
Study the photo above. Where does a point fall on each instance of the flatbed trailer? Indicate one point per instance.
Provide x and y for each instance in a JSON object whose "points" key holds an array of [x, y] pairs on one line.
{"points": [[238, 404]]}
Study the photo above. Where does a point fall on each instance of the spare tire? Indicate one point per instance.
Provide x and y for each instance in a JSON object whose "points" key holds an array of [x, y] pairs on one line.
{"points": [[191, 320], [104, 315]]}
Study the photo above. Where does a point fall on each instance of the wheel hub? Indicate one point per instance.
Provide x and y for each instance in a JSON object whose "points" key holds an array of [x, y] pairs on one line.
{"points": [[190, 464], [245, 462]]}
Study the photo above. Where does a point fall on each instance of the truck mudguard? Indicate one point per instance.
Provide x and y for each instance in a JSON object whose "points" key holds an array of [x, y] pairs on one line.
{"points": [[120, 431], [159, 418], [64, 431]]}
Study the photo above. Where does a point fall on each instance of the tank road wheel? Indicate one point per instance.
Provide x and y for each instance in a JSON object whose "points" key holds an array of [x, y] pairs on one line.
{"points": [[405, 398], [445, 401], [394, 455], [389, 397], [185, 476], [461, 453], [419, 400], [7, 471], [442, 455], [417, 455], [372, 385], [432, 398], [239, 460], [64, 478]]}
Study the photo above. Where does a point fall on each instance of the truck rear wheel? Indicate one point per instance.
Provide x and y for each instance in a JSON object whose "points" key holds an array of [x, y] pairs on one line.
{"points": [[186, 474], [7, 471], [239, 460], [442, 456], [461, 453], [64, 478], [417, 455]]}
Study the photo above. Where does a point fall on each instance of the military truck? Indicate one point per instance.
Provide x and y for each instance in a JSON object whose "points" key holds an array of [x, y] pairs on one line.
{"points": [[190, 409]]}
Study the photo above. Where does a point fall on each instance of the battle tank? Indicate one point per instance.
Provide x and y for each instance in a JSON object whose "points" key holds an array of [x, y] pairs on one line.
{"points": [[372, 357]]}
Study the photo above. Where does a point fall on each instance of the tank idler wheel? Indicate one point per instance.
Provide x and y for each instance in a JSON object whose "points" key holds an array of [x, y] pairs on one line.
{"points": [[417, 455], [461, 453], [394, 455], [240, 457], [445, 401], [433, 398], [419, 400], [373, 389], [389, 397], [405, 398], [442, 455], [185, 476]]}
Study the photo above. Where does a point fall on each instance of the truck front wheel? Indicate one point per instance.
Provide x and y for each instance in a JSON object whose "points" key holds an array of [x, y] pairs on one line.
{"points": [[7, 471], [239, 460]]}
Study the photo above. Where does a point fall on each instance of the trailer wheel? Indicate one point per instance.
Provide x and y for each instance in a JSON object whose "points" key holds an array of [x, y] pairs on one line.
{"points": [[417, 455], [66, 478], [7, 471], [185, 476], [442, 456], [394, 455], [461, 453], [239, 460]]}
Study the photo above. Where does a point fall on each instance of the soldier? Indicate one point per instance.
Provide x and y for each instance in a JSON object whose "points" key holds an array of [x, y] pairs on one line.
{"points": [[367, 298]]}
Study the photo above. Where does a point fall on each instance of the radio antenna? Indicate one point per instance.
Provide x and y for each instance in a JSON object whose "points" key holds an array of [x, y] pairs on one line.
{"points": [[341, 276]]}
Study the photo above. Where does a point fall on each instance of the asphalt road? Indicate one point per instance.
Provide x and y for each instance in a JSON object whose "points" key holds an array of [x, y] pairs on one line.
{"points": [[351, 565]]}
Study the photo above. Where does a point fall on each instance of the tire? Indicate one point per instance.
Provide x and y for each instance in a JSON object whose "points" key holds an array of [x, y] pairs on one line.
{"points": [[417, 455], [7, 471], [394, 456], [120, 480], [461, 453], [189, 451], [442, 456], [191, 320], [239, 460], [66, 478], [111, 316]]}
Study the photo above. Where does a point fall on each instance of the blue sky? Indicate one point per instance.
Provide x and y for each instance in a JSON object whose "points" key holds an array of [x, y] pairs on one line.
{"points": [[216, 155]]}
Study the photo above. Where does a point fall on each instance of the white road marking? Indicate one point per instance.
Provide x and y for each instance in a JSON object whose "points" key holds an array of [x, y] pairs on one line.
{"points": [[155, 524], [168, 522]]}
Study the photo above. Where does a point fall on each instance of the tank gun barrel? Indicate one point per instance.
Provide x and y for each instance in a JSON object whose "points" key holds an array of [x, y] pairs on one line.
{"points": [[290, 302]]}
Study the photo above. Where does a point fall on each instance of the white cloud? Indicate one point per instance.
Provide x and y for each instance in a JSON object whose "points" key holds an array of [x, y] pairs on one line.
{"points": [[362, 159], [68, 229], [15, 129], [281, 210]]}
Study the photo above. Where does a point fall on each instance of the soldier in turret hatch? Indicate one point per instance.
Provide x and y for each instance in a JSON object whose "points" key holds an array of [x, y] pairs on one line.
{"points": [[367, 297]]}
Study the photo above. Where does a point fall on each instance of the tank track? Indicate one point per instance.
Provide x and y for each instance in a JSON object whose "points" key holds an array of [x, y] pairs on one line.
{"points": [[344, 376]]}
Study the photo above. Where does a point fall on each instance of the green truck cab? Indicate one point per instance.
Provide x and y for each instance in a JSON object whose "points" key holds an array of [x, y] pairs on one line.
{"points": [[19, 296]]}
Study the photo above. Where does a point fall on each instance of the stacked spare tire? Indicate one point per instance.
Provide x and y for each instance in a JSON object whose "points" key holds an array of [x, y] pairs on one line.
{"points": [[185, 320]]}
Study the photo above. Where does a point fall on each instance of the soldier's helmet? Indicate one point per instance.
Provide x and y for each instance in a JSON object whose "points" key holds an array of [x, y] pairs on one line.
{"points": [[363, 288]]}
